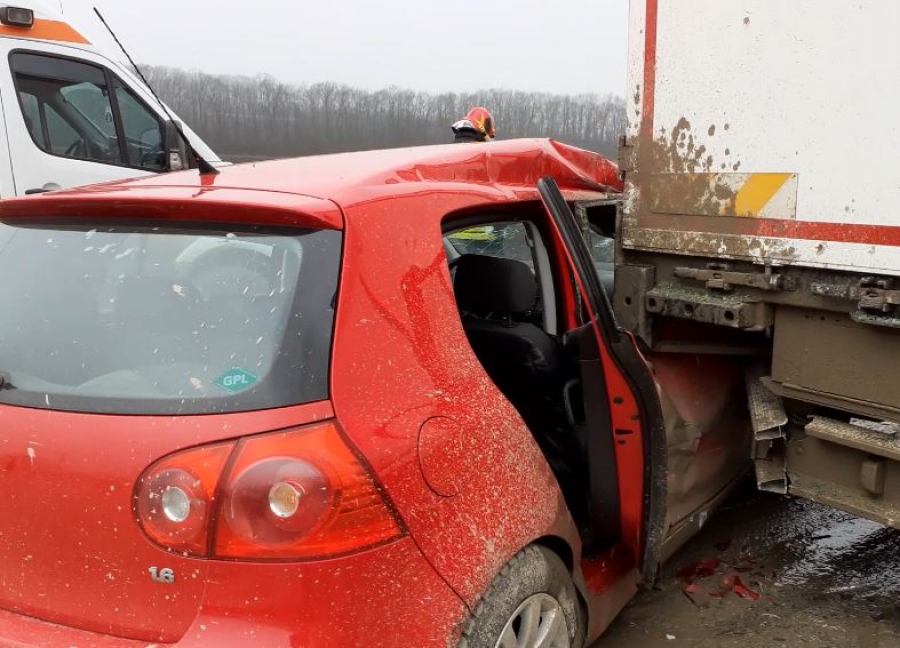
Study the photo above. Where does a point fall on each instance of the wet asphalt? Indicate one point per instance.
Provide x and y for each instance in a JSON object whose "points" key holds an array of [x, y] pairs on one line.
{"points": [[772, 571]]}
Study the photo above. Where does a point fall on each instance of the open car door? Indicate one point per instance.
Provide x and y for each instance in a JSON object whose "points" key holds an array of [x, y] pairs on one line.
{"points": [[626, 437]]}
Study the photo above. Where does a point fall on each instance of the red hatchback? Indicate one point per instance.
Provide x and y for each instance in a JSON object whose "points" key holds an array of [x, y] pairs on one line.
{"points": [[375, 399]]}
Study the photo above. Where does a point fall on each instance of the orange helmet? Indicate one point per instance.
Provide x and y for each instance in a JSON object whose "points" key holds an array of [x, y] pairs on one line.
{"points": [[482, 120]]}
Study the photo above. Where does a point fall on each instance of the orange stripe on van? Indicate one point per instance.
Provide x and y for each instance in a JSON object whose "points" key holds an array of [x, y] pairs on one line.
{"points": [[51, 30]]}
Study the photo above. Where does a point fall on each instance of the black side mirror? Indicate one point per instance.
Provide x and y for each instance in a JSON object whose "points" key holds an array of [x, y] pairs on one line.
{"points": [[176, 149]]}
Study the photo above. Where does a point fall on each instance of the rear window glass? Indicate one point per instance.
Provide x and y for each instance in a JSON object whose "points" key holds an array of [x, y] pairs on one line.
{"points": [[157, 320]]}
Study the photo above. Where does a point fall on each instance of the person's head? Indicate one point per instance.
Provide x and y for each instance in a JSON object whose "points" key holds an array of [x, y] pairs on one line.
{"points": [[483, 121], [476, 126]]}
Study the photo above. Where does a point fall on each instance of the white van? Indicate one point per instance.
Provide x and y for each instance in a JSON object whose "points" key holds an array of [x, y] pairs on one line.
{"points": [[70, 116]]}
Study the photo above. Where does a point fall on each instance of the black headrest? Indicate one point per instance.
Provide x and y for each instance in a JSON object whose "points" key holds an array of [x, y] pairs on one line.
{"points": [[488, 285]]}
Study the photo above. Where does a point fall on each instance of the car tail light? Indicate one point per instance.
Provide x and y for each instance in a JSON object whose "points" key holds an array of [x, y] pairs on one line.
{"points": [[293, 495], [174, 498], [300, 494]]}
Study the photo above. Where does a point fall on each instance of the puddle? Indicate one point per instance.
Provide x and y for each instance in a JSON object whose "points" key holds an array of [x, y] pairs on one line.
{"points": [[824, 579]]}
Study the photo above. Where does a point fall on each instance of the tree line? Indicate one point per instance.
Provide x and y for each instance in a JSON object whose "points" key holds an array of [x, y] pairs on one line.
{"points": [[246, 118]]}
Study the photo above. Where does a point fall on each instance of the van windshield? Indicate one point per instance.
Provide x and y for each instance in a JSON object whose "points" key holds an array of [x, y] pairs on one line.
{"points": [[163, 320]]}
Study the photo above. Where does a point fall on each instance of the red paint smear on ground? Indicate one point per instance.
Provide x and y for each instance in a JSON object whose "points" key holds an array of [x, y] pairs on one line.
{"points": [[698, 569]]}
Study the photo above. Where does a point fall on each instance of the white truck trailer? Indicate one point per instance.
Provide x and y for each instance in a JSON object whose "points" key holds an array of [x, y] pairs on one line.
{"points": [[761, 222]]}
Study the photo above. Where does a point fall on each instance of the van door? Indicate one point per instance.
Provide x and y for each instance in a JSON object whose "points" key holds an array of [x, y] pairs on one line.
{"points": [[631, 412], [7, 181], [71, 120]]}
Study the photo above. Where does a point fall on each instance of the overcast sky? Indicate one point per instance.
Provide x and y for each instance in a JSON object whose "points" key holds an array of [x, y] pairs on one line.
{"points": [[566, 46]]}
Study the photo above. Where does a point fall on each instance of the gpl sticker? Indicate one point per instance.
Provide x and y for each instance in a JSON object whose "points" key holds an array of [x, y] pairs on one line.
{"points": [[236, 380]]}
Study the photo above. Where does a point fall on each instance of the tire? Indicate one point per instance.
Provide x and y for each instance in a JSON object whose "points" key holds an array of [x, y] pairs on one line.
{"points": [[534, 584]]}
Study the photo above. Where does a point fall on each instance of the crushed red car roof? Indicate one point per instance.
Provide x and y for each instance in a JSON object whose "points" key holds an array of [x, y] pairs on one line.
{"points": [[312, 185], [512, 162]]}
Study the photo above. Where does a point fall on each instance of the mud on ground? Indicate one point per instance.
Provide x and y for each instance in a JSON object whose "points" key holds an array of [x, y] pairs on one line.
{"points": [[823, 579]]}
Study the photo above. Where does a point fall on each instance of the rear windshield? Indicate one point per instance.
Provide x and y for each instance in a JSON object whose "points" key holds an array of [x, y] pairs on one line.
{"points": [[158, 320]]}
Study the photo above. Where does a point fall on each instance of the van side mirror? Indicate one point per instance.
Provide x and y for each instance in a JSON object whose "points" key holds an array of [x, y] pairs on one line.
{"points": [[176, 149]]}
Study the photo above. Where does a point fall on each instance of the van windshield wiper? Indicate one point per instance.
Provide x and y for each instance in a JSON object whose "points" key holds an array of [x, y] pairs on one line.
{"points": [[5, 382]]}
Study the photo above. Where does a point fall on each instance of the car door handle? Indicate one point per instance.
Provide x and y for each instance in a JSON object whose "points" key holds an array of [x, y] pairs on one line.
{"points": [[50, 186]]}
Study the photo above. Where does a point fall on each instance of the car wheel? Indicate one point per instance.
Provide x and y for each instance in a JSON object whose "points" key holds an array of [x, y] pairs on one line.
{"points": [[531, 603]]}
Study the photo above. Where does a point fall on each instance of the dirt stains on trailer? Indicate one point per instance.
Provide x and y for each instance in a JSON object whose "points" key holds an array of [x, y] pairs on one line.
{"points": [[675, 150], [676, 179], [727, 246], [676, 167]]}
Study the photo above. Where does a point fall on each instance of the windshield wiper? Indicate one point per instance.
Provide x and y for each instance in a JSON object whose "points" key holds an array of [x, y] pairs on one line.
{"points": [[5, 382]]}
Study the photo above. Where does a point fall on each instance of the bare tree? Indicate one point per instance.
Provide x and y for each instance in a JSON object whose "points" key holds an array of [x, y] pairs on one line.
{"points": [[254, 118]]}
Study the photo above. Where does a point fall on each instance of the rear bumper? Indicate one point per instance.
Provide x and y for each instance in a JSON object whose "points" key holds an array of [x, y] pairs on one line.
{"points": [[388, 597]]}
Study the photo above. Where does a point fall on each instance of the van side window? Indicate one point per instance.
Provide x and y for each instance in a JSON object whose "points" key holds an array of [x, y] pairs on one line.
{"points": [[143, 132], [92, 101], [32, 113], [81, 111], [62, 136], [78, 96]]}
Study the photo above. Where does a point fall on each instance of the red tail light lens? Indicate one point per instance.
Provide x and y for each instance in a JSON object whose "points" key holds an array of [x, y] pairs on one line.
{"points": [[174, 498], [300, 494], [293, 495]]}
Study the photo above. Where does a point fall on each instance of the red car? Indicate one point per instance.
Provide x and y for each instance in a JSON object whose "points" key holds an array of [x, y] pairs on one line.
{"points": [[374, 399]]}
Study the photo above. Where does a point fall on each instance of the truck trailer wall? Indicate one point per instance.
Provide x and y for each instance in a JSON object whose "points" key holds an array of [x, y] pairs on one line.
{"points": [[761, 224], [759, 130]]}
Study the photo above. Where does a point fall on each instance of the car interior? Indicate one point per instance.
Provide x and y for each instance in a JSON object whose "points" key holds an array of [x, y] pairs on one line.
{"points": [[506, 285], [189, 299]]}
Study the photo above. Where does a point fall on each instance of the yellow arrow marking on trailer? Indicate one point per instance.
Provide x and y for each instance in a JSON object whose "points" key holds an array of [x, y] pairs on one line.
{"points": [[757, 191]]}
